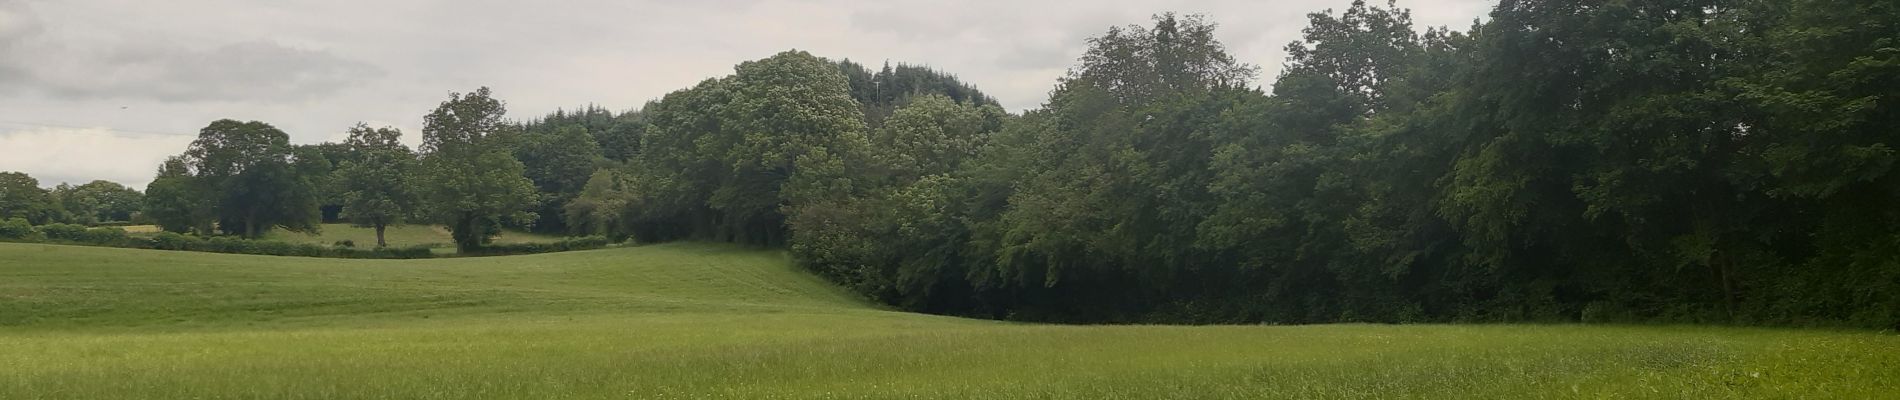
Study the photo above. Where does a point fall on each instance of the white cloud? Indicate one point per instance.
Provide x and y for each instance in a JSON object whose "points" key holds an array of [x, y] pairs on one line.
{"points": [[80, 155], [62, 64]]}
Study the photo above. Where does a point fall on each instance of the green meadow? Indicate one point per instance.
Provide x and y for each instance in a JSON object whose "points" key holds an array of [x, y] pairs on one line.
{"points": [[718, 321]]}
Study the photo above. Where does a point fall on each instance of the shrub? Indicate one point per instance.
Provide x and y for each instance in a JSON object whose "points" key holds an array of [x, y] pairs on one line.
{"points": [[176, 241], [272, 247], [16, 228], [227, 244], [308, 250], [63, 232], [568, 244], [416, 251], [346, 243], [411, 252], [106, 236]]}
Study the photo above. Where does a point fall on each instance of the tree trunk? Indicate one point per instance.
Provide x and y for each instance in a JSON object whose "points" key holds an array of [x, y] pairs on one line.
{"points": [[250, 223], [379, 235], [463, 231], [1720, 264]]}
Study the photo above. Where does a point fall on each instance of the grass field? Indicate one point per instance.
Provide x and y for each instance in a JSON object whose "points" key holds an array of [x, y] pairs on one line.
{"points": [[709, 321]]}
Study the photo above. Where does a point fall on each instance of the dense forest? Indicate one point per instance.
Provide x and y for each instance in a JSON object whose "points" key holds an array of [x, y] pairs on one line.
{"points": [[1709, 161], [1694, 161]]}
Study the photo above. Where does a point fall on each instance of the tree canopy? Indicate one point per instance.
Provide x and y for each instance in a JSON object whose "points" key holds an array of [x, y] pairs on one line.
{"points": [[377, 190], [469, 179]]}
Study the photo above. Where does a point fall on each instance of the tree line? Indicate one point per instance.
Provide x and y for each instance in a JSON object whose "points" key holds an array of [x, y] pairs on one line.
{"points": [[1721, 161], [88, 204], [1688, 161], [476, 172]]}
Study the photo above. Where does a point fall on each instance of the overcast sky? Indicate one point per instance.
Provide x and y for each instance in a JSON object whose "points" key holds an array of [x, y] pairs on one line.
{"points": [[106, 89]]}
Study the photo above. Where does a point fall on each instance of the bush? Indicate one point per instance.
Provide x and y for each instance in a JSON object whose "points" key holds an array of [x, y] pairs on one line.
{"points": [[16, 228], [411, 252], [176, 241], [63, 232], [309, 250], [106, 236], [568, 244], [227, 244], [346, 243], [272, 247]]}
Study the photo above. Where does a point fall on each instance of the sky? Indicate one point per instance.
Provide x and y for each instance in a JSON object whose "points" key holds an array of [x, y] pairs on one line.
{"points": [[106, 89]]}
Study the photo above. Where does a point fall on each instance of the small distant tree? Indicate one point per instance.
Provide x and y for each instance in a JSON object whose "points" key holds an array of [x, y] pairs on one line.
{"points": [[469, 178], [376, 191]]}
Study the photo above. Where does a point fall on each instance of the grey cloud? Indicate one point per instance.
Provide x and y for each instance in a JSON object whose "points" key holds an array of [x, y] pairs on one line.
{"points": [[16, 23], [1029, 56], [34, 60], [314, 67]]}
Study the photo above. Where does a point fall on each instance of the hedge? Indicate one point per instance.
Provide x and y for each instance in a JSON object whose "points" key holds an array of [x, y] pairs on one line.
{"points": [[567, 244], [232, 245], [18, 230]]}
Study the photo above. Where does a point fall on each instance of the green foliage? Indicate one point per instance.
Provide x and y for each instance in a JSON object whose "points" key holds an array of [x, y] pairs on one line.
{"points": [[601, 208], [175, 202], [22, 197], [240, 178], [98, 202], [559, 162], [16, 229], [106, 236], [377, 191], [468, 180], [729, 158], [882, 92], [174, 241], [1703, 161], [566, 244], [63, 232]]}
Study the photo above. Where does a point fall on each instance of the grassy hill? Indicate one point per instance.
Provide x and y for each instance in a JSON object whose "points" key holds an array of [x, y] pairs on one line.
{"points": [[712, 321]]}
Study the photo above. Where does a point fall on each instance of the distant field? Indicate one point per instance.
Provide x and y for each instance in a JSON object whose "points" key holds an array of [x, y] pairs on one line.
{"points": [[711, 321]]}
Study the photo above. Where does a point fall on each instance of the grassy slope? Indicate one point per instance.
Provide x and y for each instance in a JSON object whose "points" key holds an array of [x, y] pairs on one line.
{"points": [[697, 321]]}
